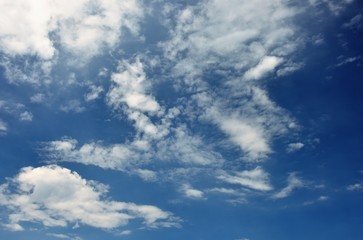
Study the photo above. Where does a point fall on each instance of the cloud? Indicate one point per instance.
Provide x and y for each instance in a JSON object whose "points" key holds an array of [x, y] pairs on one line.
{"points": [[355, 22], [29, 198], [116, 156], [82, 27], [72, 106], [265, 66], [63, 236], [3, 127], [17, 110], [347, 60], [130, 88], [293, 182], [192, 193], [37, 98], [26, 116], [204, 40], [293, 147], [355, 187], [95, 92], [255, 179], [336, 7]]}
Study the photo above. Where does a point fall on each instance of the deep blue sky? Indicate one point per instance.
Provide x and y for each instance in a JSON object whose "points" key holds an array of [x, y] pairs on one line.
{"points": [[181, 119]]}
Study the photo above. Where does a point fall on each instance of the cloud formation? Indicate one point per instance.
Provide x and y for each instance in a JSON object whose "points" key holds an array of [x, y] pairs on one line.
{"points": [[293, 182], [67, 199]]}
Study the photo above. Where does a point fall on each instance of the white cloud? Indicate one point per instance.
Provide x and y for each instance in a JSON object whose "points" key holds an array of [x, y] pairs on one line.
{"points": [[347, 60], [3, 127], [192, 193], [293, 147], [293, 182], [72, 106], [130, 88], [188, 149], [75, 200], [248, 137], [82, 27], [336, 7], [251, 123], [126, 232], [256, 179], [26, 116], [116, 156], [265, 66], [355, 187], [17, 110], [355, 22], [37, 98], [95, 92], [146, 174], [63, 236]]}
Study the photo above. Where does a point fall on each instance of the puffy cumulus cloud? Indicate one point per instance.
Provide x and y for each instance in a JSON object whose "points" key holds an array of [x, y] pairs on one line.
{"points": [[293, 182], [130, 94], [35, 28], [255, 179], [37, 36], [66, 198], [131, 88]]}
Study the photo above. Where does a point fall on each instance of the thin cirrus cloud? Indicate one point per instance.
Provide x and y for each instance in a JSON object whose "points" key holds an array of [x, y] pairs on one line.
{"points": [[293, 183], [74, 201]]}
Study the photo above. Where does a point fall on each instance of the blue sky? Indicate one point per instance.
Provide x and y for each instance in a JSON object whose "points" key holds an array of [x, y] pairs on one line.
{"points": [[235, 120]]}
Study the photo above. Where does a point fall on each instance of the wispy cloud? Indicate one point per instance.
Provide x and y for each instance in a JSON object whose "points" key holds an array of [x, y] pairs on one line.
{"points": [[256, 179], [293, 147], [293, 182]]}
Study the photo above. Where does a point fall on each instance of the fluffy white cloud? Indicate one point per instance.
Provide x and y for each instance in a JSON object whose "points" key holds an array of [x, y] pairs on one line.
{"points": [[66, 198], [293, 182], [84, 27], [256, 179], [130, 88]]}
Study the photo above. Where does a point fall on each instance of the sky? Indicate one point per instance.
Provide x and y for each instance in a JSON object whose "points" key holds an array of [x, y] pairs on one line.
{"points": [[205, 119]]}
